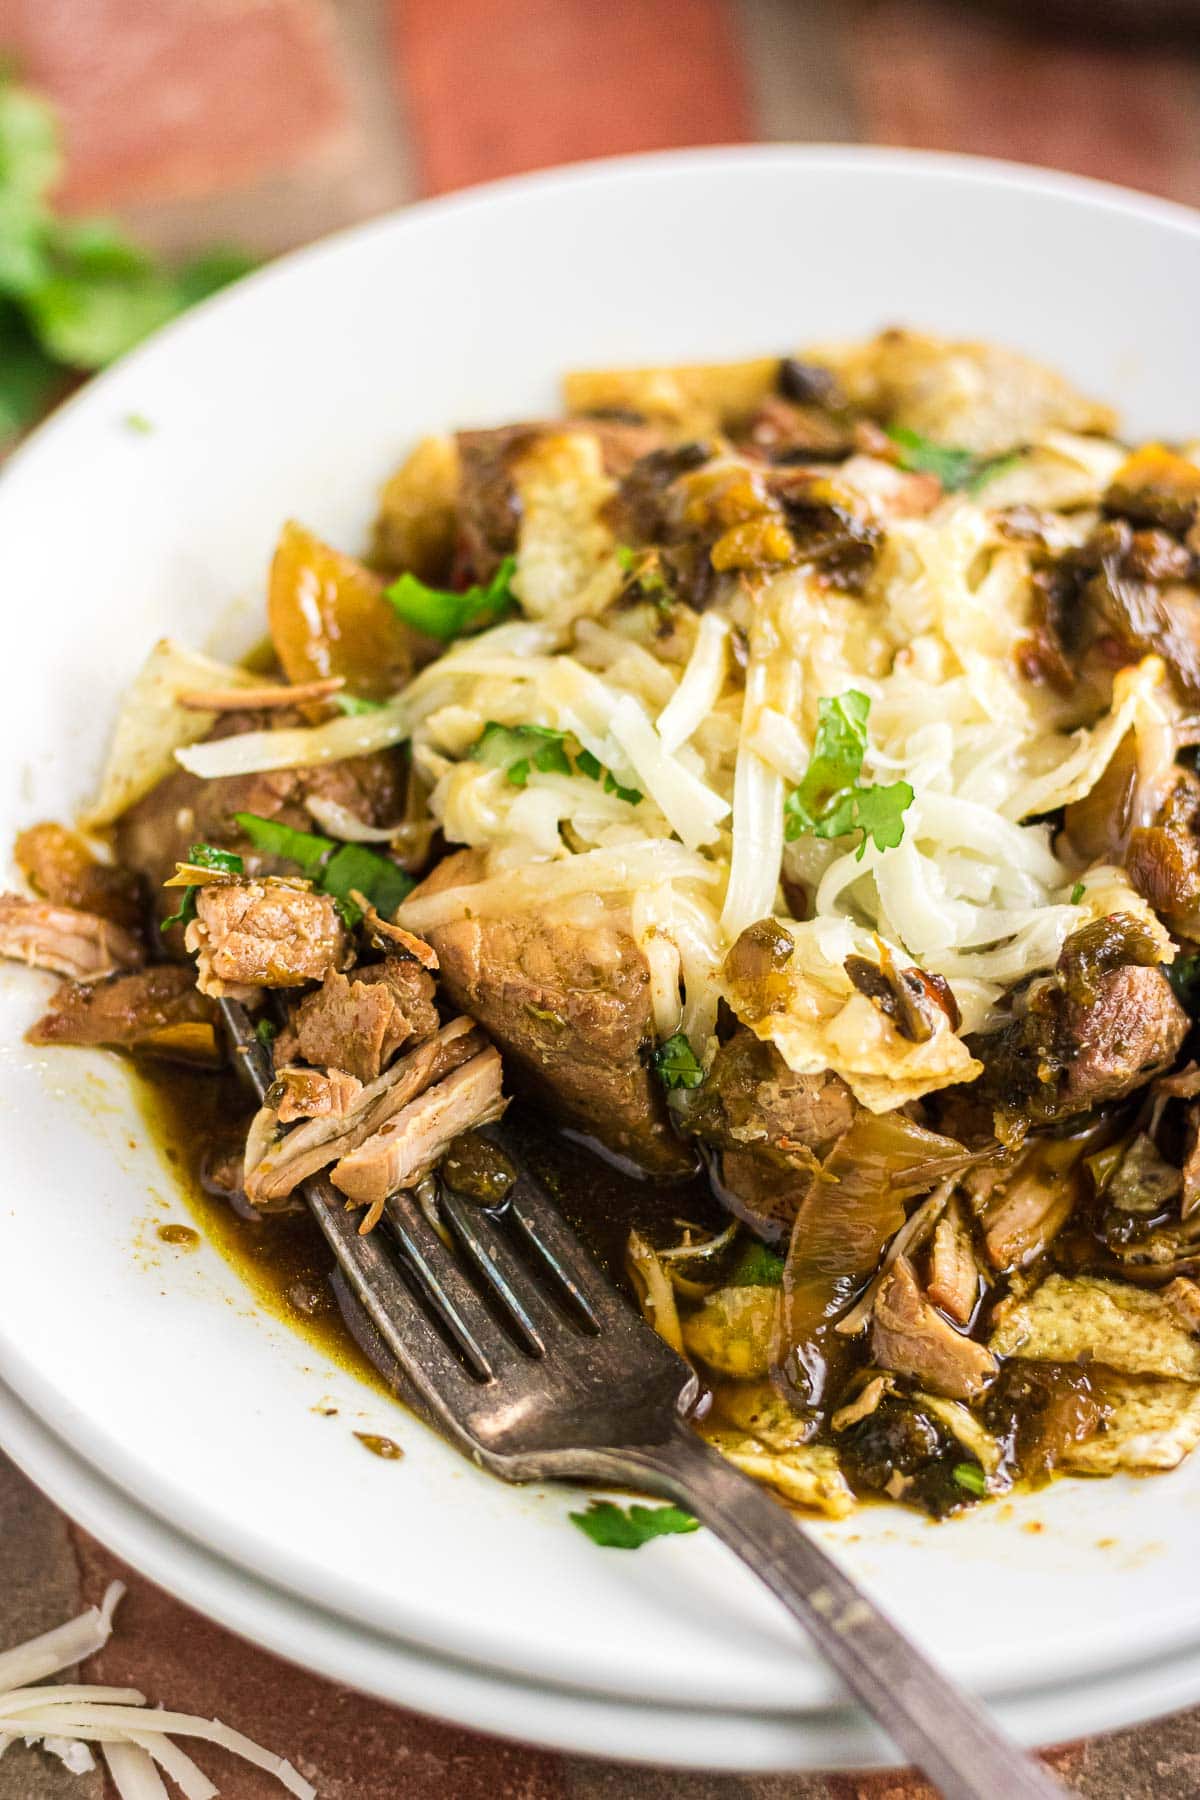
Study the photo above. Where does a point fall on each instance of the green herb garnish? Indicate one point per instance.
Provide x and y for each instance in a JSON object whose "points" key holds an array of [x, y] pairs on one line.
{"points": [[618, 1528], [266, 1031], [830, 802], [355, 708], [757, 1267], [441, 613], [334, 868], [519, 749], [1184, 977], [676, 1063], [971, 1478], [203, 856], [1077, 893], [955, 469], [74, 294], [375, 877]]}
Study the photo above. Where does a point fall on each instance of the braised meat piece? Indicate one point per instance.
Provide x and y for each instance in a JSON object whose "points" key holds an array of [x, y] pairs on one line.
{"points": [[60, 866], [158, 1012], [1095, 1031], [358, 1022], [184, 809], [269, 933], [277, 1163], [770, 1126], [569, 1007], [313, 1094], [911, 1337], [413, 1140], [64, 939]]}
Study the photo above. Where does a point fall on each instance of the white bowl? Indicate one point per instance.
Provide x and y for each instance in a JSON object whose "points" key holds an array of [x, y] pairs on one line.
{"points": [[153, 1371]]}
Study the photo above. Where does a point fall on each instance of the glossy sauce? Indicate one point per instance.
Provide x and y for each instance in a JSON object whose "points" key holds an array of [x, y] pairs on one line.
{"points": [[194, 1117]]}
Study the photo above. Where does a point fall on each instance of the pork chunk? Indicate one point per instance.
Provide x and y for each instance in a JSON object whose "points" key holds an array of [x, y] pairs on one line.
{"points": [[414, 1140], [158, 1011], [64, 939], [570, 1009], [1064, 1055], [770, 1126], [61, 867], [910, 1337], [184, 809], [251, 934], [359, 1022]]}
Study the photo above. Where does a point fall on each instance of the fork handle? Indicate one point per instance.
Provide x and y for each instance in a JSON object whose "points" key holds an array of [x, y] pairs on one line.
{"points": [[933, 1721]]}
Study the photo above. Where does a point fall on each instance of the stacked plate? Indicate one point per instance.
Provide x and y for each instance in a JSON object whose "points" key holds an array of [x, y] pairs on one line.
{"points": [[203, 1440]]}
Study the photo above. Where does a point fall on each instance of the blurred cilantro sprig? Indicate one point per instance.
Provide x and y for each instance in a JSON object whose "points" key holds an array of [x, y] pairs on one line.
{"points": [[74, 293]]}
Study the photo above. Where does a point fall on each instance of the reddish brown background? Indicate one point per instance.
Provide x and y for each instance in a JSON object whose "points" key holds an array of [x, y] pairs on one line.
{"points": [[272, 121]]}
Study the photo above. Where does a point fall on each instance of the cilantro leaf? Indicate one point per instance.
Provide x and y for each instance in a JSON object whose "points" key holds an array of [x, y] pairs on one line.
{"points": [[30, 147], [613, 786], [676, 1063], [757, 1267], [830, 802], [353, 707], [207, 856], [266, 1031], [518, 749], [442, 613], [971, 1478], [616, 1528], [334, 868], [1077, 893], [28, 377], [377, 878], [1184, 977], [214, 269], [956, 469], [273, 839], [203, 856]]}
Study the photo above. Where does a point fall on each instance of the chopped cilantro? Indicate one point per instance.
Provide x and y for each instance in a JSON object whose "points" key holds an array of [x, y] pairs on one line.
{"points": [[375, 877], [757, 1267], [519, 749], [612, 786], [442, 613], [266, 1031], [676, 1063], [355, 708], [1184, 977], [956, 469], [335, 868], [830, 802], [273, 839], [203, 856], [74, 294], [971, 1478], [617, 1528], [1077, 893]]}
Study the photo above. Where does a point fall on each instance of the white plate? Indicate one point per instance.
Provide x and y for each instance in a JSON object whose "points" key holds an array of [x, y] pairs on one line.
{"points": [[588, 1724], [295, 394]]}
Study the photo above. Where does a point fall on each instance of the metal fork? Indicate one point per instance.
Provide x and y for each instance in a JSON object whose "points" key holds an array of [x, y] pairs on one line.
{"points": [[526, 1356]]}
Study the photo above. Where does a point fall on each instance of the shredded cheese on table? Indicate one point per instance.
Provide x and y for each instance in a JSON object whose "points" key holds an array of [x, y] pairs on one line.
{"points": [[133, 1737]]}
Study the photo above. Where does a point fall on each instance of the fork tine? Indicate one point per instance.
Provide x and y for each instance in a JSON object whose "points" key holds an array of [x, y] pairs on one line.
{"points": [[448, 1292], [395, 1312], [562, 1254], [489, 1256]]}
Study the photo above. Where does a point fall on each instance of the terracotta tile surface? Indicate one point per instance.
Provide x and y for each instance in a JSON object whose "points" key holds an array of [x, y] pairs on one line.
{"points": [[495, 86], [180, 96], [946, 77]]}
